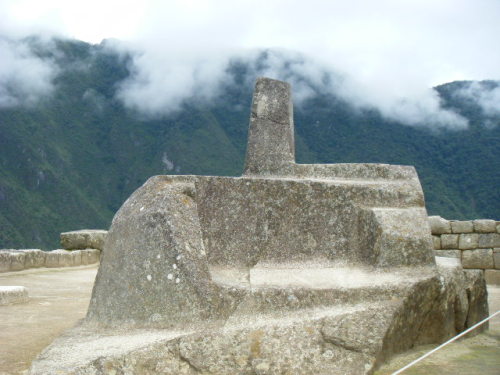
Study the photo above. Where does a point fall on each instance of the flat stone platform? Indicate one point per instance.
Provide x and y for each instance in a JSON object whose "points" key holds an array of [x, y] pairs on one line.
{"points": [[59, 297]]}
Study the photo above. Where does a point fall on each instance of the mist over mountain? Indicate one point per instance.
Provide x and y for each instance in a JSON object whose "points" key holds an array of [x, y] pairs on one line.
{"points": [[82, 126]]}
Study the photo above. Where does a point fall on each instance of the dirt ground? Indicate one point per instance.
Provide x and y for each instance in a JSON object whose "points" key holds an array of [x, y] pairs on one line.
{"points": [[59, 298]]}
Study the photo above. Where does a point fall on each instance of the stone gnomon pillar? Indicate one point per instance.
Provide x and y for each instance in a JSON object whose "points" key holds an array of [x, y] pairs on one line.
{"points": [[291, 268]]}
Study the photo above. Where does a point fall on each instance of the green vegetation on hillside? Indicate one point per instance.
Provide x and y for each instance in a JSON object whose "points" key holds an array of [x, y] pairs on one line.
{"points": [[69, 162]]}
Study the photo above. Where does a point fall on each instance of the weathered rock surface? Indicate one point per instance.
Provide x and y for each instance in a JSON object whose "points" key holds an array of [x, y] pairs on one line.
{"points": [[449, 241], [468, 241], [34, 258], [88, 256], [164, 279], [57, 258], [13, 294], [489, 240], [17, 261], [439, 225], [310, 269], [478, 258], [271, 144], [4, 260], [436, 241], [462, 226], [484, 226], [83, 239], [350, 338]]}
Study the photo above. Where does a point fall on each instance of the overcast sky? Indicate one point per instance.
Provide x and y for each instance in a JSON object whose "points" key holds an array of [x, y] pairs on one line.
{"points": [[390, 52]]}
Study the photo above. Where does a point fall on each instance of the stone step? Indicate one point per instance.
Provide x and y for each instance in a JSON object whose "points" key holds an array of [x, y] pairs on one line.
{"points": [[268, 289]]}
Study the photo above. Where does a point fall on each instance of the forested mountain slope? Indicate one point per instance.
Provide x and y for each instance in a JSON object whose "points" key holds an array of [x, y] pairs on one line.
{"points": [[70, 160]]}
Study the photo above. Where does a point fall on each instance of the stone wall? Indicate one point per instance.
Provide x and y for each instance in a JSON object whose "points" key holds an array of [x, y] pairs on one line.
{"points": [[476, 243], [18, 260], [81, 248]]}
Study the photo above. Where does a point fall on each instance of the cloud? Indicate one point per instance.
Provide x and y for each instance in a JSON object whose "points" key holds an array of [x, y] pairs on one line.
{"points": [[485, 94], [388, 53], [418, 106], [160, 84], [24, 77]]}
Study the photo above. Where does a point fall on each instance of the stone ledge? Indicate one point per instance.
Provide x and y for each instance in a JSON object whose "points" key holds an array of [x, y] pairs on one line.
{"points": [[84, 239], [439, 225], [13, 294], [448, 253]]}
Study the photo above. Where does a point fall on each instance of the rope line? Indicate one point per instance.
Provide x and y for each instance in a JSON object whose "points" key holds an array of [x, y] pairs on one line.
{"points": [[446, 343]]}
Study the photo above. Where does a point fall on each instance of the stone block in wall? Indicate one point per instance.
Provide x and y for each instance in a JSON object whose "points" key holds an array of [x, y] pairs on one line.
{"points": [[468, 241], [498, 226], [462, 227], [492, 277], [17, 261], [449, 241], [448, 253], [439, 225], [90, 256], [52, 258], [485, 226], [77, 257], [94, 255], [478, 258], [84, 239], [436, 240], [65, 258], [4, 260], [489, 240], [496, 258], [34, 258]]}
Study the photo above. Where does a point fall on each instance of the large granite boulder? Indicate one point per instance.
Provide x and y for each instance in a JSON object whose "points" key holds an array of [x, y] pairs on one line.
{"points": [[310, 269]]}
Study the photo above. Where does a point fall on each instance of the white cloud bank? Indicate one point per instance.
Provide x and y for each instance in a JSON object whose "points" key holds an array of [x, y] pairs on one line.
{"points": [[24, 77], [389, 53]]}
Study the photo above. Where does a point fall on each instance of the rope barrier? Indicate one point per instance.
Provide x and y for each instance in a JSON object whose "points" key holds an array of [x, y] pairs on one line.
{"points": [[446, 343]]}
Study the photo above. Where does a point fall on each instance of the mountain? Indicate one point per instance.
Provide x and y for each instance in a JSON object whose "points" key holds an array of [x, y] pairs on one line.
{"points": [[70, 160]]}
